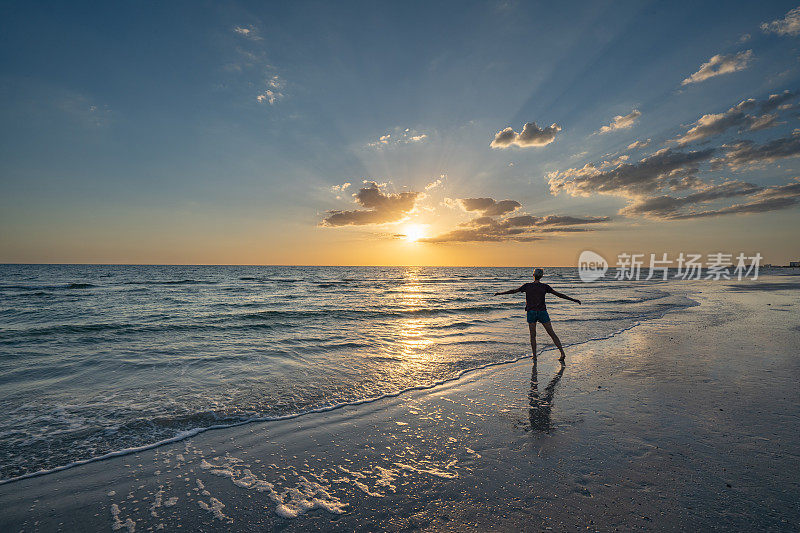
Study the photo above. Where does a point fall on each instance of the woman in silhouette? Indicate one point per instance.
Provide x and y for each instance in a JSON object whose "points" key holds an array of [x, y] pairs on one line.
{"points": [[537, 309]]}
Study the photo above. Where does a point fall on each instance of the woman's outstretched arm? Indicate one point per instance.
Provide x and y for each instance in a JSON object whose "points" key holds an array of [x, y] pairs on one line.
{"points": [[562, 295], [511, 291]]}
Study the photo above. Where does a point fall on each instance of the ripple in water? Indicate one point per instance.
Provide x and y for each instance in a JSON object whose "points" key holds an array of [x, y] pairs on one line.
{"points": [[101, 358]]}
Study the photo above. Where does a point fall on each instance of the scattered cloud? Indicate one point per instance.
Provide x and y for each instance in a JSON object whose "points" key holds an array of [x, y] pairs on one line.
{"points": [[761, 199], [667, 184], [248, 32], [531, 135], [400, 136], [341, 188], [637, 145], [500, 220], [720, 64], [738, 116], [83, 109], [767, 199], [247, 66], [664, 206], [779, 101], [555, 220], [747, 153], [764, 122], [436, 183], [253, 60], [717, 123], [273, 91], [490, 227], [489, 206], [621, 122], [379, 206], [789, 25], [337, 189], [745, 37], [666, 168]]}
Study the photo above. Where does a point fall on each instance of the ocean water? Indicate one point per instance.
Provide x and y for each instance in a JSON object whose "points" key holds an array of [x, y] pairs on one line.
{"points": [[97, 359]]}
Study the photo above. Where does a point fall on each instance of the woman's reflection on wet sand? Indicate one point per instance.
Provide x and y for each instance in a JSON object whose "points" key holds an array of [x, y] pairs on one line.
{"points": [[540, 406]]}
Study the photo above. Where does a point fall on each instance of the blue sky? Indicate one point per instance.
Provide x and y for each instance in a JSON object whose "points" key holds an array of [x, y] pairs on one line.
{"points": [[214, 132]]}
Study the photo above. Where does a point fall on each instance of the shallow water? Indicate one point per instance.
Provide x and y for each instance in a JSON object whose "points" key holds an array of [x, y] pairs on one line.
{"points": [[95, 359]]}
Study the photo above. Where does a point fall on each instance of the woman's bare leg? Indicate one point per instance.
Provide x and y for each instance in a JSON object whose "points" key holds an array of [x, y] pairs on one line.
{"points": [[548, 327], [532, 328]]}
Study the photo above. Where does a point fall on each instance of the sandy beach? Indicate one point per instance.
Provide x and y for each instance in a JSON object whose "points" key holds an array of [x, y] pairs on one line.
{"points": [[687, 422]]}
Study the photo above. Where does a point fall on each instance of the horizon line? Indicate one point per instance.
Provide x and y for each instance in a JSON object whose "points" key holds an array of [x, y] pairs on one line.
{"points": [[281, 265]]}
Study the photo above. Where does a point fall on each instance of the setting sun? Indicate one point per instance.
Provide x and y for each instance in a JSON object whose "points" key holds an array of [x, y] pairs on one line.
{"points": [[414, 232]]}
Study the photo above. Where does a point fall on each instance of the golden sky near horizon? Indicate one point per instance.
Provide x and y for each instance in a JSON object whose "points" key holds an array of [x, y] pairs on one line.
{"points": [[248, 241]]}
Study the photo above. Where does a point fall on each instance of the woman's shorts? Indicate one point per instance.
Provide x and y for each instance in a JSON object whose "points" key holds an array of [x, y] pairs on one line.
{"points": [[541, 316]]}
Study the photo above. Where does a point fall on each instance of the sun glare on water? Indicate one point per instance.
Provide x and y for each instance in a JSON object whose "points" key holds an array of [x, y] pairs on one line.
{"points": [[414, 232]]}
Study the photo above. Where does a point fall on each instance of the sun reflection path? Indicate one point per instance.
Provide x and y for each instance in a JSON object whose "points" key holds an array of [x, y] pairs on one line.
{"points": [[413, 332]]}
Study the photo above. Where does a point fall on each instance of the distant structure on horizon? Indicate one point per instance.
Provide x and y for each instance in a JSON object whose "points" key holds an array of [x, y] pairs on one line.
{"points": [[792, 264]]}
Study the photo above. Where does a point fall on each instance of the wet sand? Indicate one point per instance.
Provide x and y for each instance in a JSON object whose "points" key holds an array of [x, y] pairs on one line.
{"points": [[685, 422]]}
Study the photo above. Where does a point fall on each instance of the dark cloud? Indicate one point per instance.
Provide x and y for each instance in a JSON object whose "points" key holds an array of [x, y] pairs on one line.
{"points": [[716, 123], [478, 235], [748, 153], [476, 204], [489, 206], [695, 205], [760, 206], [380, 207], [651, 185], [764, 122], [521, 228], [666, 168], [504, 138], [739, 117], [769, 199], [531, 135], [552, 220], [790, 190], [665, 207], [776, 101]]}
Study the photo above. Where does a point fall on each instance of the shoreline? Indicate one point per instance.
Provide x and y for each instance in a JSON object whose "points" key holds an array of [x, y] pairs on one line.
{"points": [[197, 431], [637, 434]]}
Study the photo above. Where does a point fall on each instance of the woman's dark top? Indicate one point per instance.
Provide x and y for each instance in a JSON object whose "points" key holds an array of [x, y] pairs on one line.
{"points": [[534, 295]]}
